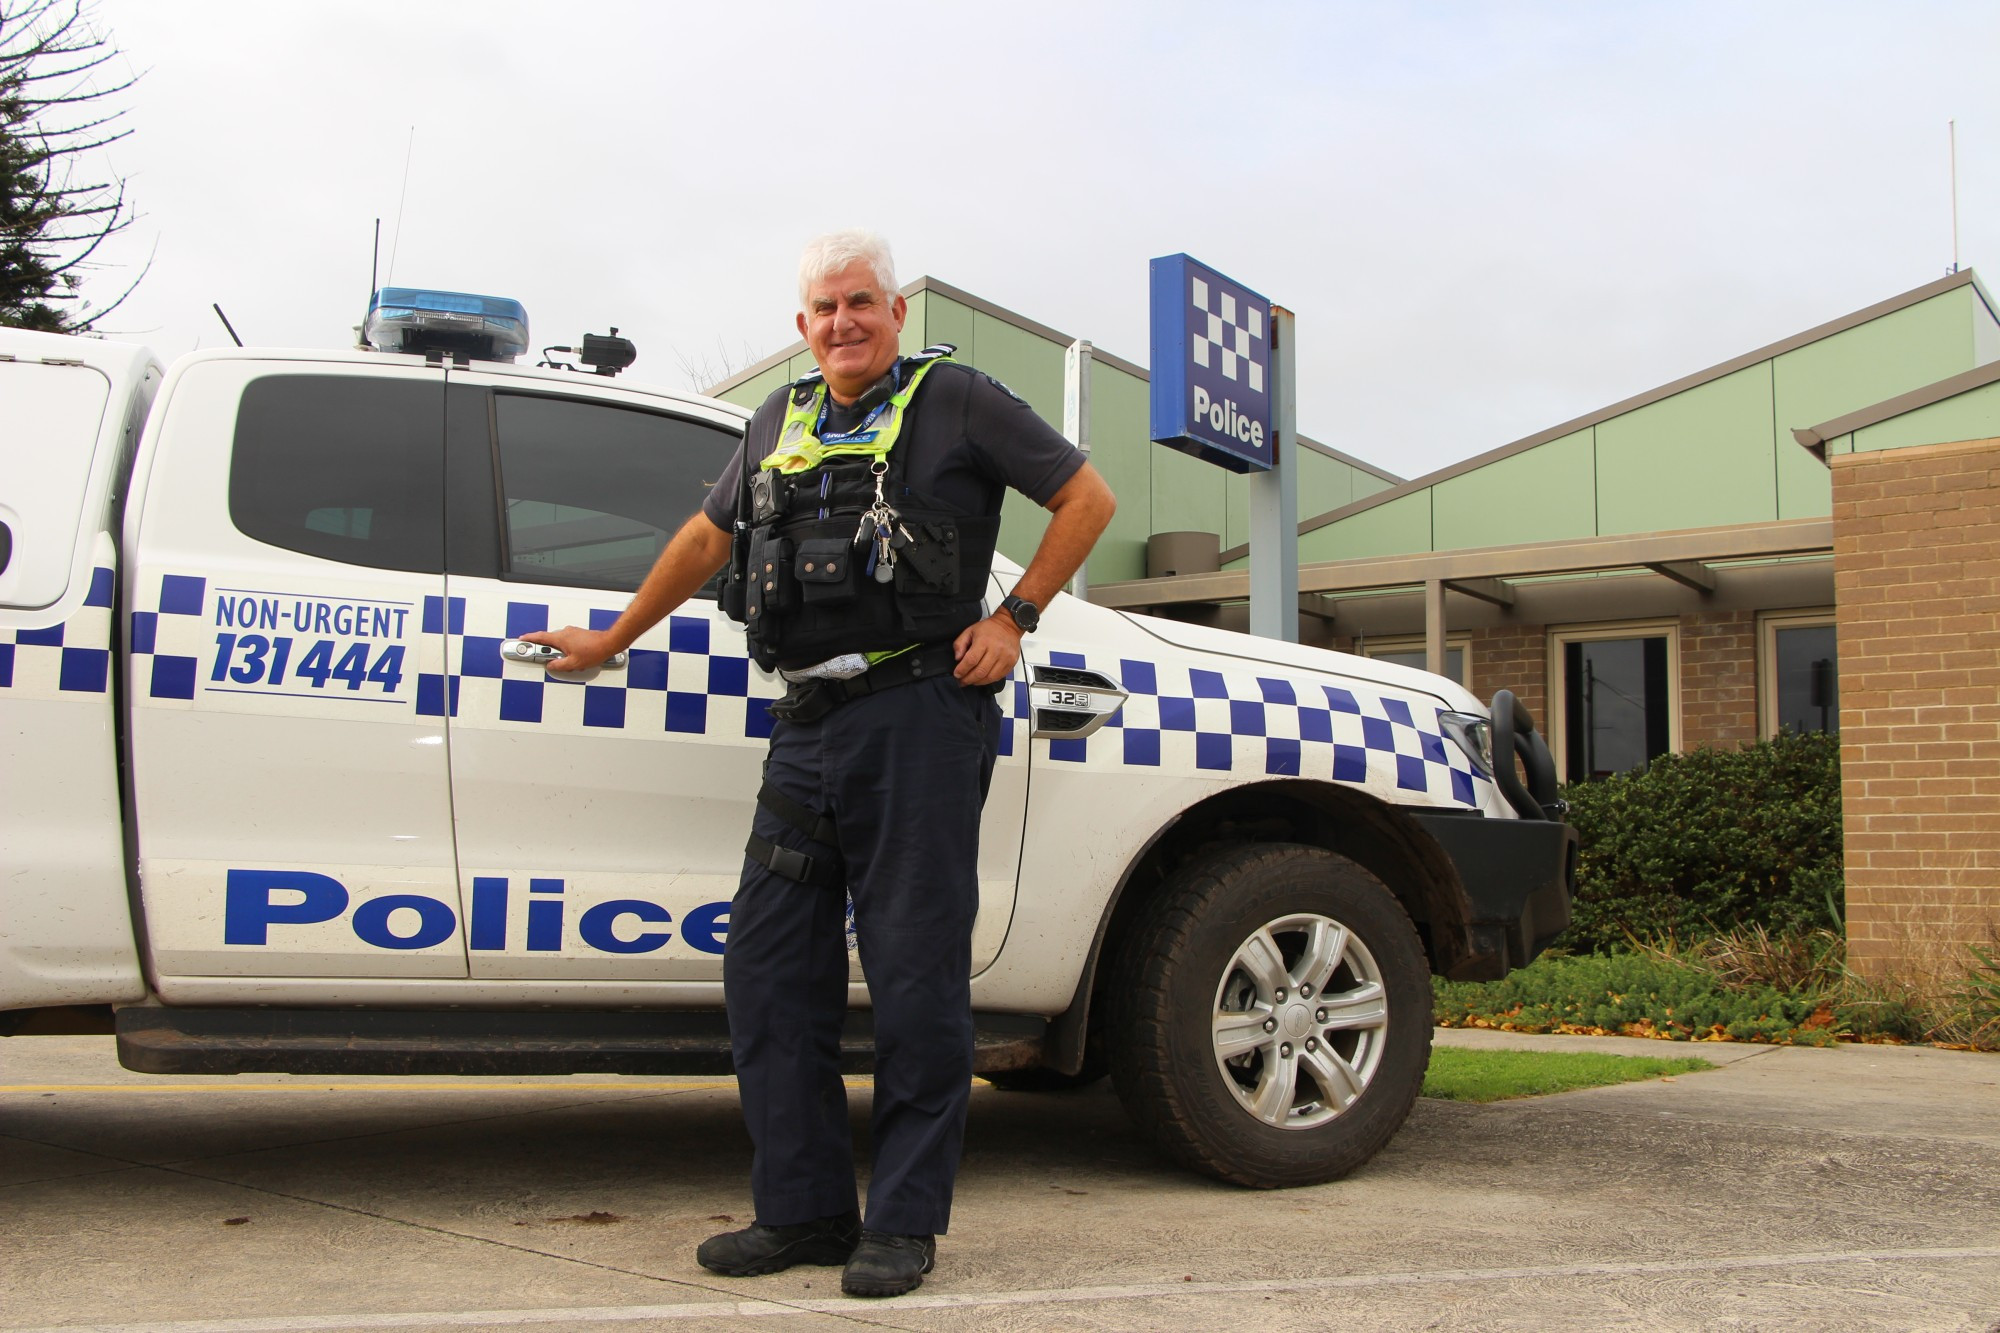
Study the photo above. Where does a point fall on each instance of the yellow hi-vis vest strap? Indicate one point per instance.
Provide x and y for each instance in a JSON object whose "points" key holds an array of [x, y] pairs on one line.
{"points": [[800, 448]]}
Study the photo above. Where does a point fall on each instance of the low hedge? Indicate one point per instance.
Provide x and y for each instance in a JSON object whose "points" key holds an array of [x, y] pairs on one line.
{"points": [[1706, 840], [1637, 995]]}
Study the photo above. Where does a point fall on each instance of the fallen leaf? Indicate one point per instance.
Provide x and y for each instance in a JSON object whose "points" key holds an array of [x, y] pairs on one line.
{"points": [[234, 1221], [590, 1219]]}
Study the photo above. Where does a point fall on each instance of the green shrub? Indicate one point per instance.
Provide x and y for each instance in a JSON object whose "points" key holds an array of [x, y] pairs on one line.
{"points": [[1638, 994], [1709, 839]]}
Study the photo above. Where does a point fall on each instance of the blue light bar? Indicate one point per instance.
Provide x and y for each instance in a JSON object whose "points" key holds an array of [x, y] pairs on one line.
{"points": [[419, 320]]}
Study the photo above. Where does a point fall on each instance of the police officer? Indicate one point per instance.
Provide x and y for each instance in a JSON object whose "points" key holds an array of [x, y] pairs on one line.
{"points": [[859, 525]]}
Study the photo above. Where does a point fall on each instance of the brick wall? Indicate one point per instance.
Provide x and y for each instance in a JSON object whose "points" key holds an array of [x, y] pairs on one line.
{"points": [[1515, 658], [1917, 588], [1719, 680]]}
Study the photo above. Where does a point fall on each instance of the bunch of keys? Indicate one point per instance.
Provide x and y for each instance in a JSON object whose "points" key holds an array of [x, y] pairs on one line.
{"points": [[881, 528]]}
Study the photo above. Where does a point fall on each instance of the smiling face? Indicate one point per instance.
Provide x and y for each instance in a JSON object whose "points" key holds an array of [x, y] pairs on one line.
{"points": [[852, 326]]}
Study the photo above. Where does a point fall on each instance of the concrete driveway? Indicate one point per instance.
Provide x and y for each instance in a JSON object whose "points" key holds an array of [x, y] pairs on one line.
{"points": [[1852, 1188]]}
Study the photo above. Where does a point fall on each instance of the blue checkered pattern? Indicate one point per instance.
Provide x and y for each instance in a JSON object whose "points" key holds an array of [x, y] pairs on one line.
{"points": [[166, 675], [1201, 720], [1228, 335], [700, 683], [67, 658]]}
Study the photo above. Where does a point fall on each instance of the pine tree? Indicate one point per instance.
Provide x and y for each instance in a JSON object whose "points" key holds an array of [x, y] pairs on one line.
{"points": [[57, 107]]}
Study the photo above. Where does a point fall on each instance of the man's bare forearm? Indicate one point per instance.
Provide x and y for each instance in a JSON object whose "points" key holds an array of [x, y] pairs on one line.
{"points": [[690, 560], [1078, 515]]}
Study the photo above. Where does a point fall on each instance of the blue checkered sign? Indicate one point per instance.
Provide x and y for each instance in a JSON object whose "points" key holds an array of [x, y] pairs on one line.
{"points": [[1211, 374]]}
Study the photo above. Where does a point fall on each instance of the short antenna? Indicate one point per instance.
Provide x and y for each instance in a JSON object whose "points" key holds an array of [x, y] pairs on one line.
{"points": [[217, 307], [1952, 127], [396, 236]]}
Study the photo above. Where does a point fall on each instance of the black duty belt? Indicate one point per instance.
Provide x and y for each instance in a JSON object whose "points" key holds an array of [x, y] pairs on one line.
{"points": [[811, 700]]}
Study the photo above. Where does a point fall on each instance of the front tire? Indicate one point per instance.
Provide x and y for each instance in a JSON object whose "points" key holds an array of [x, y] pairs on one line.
{"points": [[1270, 1017]]}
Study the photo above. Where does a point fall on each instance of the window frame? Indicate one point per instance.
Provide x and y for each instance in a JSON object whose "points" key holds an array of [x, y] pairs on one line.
{"points": [[1403, 643], [1560, 637], [1768, 625]]}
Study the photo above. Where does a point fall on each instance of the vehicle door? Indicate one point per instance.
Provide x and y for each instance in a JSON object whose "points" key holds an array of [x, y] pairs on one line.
{"points": [[285, 585], [601, 821]]}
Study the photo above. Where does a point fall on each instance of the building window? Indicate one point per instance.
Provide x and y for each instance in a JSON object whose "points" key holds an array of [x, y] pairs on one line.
{"points": [[1618, 687], [1410, 653], [1798, 683]]}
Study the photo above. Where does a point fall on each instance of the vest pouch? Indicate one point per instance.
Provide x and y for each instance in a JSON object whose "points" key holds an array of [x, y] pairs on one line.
{"points": [[734, 597], [824, 567], [929, 565], [772, 589]]}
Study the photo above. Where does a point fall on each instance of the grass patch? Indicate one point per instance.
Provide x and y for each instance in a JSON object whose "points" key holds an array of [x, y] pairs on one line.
{"points": [[1463, 1075]]}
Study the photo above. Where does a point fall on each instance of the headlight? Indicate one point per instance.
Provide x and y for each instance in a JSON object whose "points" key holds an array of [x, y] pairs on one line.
{"points": [[1472, 734]]}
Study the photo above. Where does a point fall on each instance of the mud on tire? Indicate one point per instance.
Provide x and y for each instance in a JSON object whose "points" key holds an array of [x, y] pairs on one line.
{"points": [[1270, 1017]]}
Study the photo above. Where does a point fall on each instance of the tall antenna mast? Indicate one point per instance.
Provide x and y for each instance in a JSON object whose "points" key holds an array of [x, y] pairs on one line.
{"points": [[396, 236], [1952, 126]]}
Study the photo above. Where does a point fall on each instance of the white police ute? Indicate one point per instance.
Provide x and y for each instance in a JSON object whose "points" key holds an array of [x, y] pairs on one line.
{"points": [[281, 790]]}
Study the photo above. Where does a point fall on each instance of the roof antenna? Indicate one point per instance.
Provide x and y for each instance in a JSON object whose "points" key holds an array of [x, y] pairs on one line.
{"points": [[216, 306], [375, 262], [1952, 127], [396, 236]]}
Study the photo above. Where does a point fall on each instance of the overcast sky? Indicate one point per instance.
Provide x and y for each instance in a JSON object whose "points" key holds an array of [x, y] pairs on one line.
{"points": [[1489, 217]]}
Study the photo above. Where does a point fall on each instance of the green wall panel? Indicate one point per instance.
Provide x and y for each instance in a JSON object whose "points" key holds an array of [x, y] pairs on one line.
{"points": [[1119, 449], [1701, 458], [1394, 527], [1870, 363], [1985, 334], [1030, 365], [1805, 485], [1546, 493], [946, 321], [1188, 494], [1972, 415]]}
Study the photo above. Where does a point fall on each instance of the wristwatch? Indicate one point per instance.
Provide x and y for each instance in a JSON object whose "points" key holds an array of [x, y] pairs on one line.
{"points": [[1024, 614]]}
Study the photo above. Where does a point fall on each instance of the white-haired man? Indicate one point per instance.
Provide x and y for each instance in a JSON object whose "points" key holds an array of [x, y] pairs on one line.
{"points": [[860, 538]]}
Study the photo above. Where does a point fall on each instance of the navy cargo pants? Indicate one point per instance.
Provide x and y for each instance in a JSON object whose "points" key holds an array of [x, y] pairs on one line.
{"points": [[902, 774]]}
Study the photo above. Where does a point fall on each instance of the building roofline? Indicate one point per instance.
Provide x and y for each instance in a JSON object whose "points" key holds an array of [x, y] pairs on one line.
{"points": [[1815, 438], [926, 283], [1916, 295]]}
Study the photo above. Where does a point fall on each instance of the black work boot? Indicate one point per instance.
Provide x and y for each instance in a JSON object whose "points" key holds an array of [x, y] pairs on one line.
{"points": [[758, 1249], [886, 1265]]}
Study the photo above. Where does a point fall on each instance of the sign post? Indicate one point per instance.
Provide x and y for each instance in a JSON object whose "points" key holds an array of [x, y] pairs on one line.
{"points": [[1222, 391], [1274, 501], [1076, 428]]}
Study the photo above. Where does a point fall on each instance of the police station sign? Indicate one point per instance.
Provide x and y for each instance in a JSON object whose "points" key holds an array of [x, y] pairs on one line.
{"points": [[1211, 394]]}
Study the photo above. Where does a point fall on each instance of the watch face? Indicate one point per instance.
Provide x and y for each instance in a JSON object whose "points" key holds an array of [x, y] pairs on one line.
{"points": [[1024, 613]]}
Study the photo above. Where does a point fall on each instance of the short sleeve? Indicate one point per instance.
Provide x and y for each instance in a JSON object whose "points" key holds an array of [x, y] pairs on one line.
{"points": [[1015, 445], [762, 432]]}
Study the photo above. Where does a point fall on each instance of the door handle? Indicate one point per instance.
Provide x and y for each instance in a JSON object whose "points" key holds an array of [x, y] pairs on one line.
{"points": [[541, 654]]}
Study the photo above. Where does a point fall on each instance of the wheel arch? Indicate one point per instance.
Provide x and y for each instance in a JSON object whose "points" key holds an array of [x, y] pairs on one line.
{"points": [[1379, 837]]}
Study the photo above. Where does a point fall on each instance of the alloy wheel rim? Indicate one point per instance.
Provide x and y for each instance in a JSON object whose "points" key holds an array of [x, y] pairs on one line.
{"points": [[1299, 1021]]}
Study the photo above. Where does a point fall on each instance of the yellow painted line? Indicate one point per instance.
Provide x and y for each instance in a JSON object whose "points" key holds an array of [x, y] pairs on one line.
{"points": [[308, 1086]]}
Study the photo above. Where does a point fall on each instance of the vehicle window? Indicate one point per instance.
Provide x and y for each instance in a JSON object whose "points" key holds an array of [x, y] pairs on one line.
{"points": [[347, 467], [592, 492]]}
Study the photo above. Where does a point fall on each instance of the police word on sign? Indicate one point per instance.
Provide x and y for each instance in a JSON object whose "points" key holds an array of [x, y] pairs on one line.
{"points": [[1211, 388]]}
